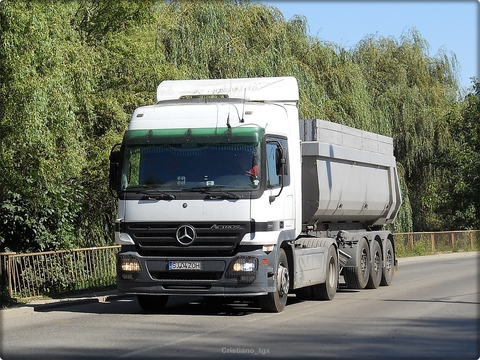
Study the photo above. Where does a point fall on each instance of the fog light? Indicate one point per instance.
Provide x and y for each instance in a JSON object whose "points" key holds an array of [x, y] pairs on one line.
{"points": [[128, 277], [130, 264]]}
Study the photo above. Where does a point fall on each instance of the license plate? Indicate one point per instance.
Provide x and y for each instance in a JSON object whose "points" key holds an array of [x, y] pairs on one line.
{"points": [[184, 265]]}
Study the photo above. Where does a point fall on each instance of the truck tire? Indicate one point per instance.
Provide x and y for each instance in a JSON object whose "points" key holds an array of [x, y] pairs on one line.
{"points": [[328, 289], [357, 277], [277, 300], [387, 273], [375, 266], [152, 303]]}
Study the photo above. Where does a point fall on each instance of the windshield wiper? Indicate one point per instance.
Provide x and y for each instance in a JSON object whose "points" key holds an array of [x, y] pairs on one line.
{"points": [[150, 192], [214, 192], [222, 195], [158, 196]]}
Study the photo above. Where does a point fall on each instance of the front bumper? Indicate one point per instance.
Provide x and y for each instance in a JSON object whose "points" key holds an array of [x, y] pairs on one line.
{"points": [[217, 276]]}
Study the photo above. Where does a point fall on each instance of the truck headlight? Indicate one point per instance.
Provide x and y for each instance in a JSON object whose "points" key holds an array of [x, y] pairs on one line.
{"points": [[128, 265], [244, 268]]}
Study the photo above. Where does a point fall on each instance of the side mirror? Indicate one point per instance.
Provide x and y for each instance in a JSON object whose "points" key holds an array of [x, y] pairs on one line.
{"points": [[114, 168], [280, 167], [281, 161]]}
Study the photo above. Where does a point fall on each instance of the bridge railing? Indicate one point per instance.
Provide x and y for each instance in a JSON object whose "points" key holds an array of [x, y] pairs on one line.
{"points": [[423, 243], [55, 272]]}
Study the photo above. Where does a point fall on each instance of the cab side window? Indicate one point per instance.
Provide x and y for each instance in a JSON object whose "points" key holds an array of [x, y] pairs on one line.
{"points": [[277, 163]]}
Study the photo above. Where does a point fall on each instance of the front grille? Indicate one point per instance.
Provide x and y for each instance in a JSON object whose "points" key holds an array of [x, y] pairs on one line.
{"points": [[160, 238]]}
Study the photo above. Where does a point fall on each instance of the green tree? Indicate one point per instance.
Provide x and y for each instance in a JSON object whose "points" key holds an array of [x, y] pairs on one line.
{"points": [[42, 149], [460, 205], [119, 36], [70, 79], [415, 94]]}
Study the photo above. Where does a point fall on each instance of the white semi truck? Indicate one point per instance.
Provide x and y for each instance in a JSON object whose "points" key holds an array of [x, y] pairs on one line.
{"points": [[223, 191]]}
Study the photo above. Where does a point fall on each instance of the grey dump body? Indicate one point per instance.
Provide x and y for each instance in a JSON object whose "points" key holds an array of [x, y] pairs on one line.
{"points": [[349, 176]]}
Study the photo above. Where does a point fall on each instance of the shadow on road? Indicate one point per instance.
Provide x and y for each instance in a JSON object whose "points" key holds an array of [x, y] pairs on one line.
{"points": [[177, 305]]}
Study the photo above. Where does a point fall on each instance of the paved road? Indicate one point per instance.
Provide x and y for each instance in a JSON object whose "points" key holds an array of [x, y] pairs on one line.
{"points": [[429, 311]]}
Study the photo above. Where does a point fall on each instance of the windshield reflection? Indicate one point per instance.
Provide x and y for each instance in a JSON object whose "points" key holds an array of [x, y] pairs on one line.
{"points": [[180, 167]]}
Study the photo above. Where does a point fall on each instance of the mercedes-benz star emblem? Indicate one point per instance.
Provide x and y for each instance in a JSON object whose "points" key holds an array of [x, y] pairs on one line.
{"points": [[186, 235]]}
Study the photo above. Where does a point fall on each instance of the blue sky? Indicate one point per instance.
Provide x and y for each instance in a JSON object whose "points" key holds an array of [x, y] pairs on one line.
{"points": [[451, 26]]}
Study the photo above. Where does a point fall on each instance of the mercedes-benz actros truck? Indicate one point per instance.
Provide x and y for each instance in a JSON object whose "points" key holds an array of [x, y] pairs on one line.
{"points": [[223, 191]]}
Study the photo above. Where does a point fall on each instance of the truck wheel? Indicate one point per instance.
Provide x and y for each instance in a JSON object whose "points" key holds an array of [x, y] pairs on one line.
{"points": [[387, 273], [328, 289], [375, 267], [276, 301], [152, 303], [357, 277]]}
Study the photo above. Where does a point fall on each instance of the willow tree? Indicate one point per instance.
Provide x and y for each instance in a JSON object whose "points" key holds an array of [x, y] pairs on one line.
{"points": [[72, 73], [121, 36], [71, 76], [415, 94], [42, 149], [459, 207], [219, 39]]}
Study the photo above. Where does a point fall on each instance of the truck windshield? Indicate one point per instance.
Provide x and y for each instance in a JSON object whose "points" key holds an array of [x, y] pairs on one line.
{"points": [[189, 160]]}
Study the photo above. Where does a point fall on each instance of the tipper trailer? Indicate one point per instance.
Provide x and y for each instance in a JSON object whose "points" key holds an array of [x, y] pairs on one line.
{"points": [[223, 191]]}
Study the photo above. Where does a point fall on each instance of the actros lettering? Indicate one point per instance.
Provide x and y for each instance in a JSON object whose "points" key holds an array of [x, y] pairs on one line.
{"points": [[226, 227]]}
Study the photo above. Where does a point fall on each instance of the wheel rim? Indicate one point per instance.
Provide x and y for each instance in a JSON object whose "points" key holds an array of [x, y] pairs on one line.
{"points": [[283, 280], [376, 263], [364, 262], [389, 262]]}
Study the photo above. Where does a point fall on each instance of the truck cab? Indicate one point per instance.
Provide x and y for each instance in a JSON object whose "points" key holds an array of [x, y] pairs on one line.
{"points": [[223, 191], [208, 184]]}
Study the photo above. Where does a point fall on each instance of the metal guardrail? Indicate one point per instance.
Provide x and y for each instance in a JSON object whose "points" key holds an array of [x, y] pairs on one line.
{"points": [[56, 272], [432, 242]]}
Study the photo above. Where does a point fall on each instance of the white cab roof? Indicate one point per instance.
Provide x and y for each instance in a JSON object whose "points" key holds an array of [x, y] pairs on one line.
{"points": [[274, 89]]}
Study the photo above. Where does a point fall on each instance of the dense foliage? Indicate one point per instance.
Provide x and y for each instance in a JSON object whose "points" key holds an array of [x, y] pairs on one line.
{"points": [[71, 73]]}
